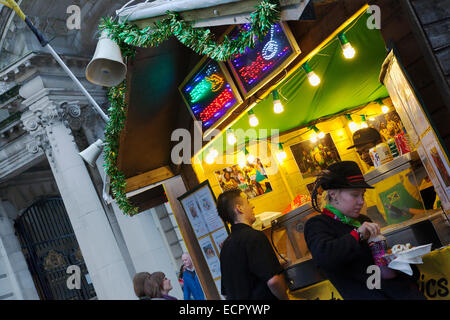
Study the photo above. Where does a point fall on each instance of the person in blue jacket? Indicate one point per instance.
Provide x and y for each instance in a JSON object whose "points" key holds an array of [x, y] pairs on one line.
{"points": [[192, 289]]}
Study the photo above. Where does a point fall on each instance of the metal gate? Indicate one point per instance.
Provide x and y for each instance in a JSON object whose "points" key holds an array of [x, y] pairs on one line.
{"points": [[50, 247]]}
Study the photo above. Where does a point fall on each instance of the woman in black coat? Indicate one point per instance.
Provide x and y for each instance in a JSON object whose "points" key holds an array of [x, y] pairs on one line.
{"points": [[337, 239]]}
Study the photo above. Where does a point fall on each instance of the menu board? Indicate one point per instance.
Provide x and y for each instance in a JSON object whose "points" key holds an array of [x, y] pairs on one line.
{"points": [[210, 94], [255, 67], [200, 207]]}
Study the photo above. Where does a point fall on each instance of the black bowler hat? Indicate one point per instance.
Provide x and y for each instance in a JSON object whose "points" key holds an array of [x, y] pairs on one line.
{"points": [[343, 175], [365, 136]]}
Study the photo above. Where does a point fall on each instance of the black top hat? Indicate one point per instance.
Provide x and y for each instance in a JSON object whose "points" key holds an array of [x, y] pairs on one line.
{"points": [[343, 175], [364, 136]]}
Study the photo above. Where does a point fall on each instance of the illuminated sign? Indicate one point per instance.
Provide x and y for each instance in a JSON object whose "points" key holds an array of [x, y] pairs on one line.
{"points": [[255, 67], [210, 93]]}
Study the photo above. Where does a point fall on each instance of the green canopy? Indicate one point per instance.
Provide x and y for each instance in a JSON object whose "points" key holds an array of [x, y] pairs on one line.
{"points": [[345, 84]]}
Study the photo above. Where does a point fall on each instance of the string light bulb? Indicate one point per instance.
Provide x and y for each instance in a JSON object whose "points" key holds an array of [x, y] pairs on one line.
{"points": [[347, 49], [352, 125], [211, 156], [250, 158], [281, 154], [231, 138], [253, 120], [318, 134], [277, 106], [364, 122], [313, 78], [384, 108]]}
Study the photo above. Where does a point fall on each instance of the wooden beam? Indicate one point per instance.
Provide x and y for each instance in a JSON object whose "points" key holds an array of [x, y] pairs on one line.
{"points": [[148, 178], [223, 10]]}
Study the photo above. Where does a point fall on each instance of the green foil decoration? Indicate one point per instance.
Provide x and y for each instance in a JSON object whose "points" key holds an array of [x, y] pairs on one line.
{"points": [[129, 37]]}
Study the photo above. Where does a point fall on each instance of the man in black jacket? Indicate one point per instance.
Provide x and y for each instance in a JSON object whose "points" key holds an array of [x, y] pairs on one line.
{"points": [[249, 266]]}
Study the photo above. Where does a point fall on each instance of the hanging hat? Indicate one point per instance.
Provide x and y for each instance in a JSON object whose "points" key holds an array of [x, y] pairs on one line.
{"points": [[365, 136], [343, 175]]}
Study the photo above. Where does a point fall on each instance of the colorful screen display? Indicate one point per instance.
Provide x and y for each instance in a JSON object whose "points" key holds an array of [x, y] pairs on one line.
{"points": [[255, 65], [209, 94]]}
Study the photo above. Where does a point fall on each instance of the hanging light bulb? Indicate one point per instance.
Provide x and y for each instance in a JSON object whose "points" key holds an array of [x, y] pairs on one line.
{"points": [[249, 157], [281, 154], [313, 78], [318, 134], [384, 108], [277, 106], [347, 49], [253, 120], [364, 122], [352, 125], [211, 156], [231, 138]]}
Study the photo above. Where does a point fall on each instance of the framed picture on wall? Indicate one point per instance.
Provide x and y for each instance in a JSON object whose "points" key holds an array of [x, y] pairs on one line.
{"points": [[251, 178], [313, 157], [438, 160], [388, 125]]}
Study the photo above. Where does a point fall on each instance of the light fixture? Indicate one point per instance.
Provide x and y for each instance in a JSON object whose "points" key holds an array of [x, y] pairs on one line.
{"points": [[318, 134], [253, 120], [91, 153], [313, 78], [249, 157], [347, 49], [281, 154], [211, 156], [364, 122], [384, 108], [352, 125], [277, 106], [231, 138]]}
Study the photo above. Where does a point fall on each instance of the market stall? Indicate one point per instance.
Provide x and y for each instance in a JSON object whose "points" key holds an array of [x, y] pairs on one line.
{"points": [[270, 118]]}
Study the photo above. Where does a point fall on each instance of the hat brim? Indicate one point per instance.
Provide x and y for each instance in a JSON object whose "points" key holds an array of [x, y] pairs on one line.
{"points": [[358, 185]]}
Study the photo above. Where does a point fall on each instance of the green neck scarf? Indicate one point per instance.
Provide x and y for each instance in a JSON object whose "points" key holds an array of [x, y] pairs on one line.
{"points": [[342, 217]]}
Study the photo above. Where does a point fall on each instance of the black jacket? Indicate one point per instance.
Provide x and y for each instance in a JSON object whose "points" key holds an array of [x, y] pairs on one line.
{"points": [[344, 261]]}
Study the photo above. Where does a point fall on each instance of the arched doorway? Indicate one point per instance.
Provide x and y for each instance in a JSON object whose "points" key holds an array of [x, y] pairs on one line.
{"points": [[50, 247]]}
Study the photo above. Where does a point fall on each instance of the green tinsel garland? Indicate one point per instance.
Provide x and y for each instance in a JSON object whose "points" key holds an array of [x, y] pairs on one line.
{"points": [[129, 37]]}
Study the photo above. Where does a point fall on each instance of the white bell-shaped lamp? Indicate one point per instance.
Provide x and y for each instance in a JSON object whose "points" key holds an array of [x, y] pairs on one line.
{"points": [[106, 67], [91, 153]]}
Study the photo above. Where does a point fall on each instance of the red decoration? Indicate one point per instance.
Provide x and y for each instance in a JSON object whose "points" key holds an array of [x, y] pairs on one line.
{"points": [[218, 103]]}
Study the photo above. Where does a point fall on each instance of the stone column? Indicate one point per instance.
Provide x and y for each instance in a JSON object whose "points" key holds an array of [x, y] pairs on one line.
{"points": [[49, 121], [15, 278]]}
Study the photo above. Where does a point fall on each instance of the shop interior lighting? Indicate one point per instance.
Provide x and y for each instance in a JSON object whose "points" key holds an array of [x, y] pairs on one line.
{"points": [[318, 134], [277, 106], [211, 156], [364, 122], [253, 120], [249, 157], [352, 125], [313, 78], [231, 138], [347, 49], [384, 108], [281, 154]]}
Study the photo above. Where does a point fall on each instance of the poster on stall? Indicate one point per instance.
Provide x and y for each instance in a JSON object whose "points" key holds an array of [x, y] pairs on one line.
{"points": [[437, 164], [200, 207], [388, 125], [219, 238], [252, 179], [313, 157], [196, 219], [211, 256]]}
